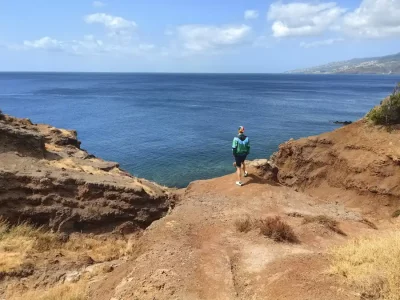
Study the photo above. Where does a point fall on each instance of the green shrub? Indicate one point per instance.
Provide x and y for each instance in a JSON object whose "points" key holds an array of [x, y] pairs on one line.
{"points": [[388, 113]]}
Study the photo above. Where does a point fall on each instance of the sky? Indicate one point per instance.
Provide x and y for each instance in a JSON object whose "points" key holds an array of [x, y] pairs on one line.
{"points": [[230, 36]]}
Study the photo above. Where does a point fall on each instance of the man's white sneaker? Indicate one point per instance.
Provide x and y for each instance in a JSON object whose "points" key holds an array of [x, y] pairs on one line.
{"points": [[239, 183], [246, 174]]}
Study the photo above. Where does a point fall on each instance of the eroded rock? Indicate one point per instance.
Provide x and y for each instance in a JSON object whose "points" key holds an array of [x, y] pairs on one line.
{"points": [[46, 179]]}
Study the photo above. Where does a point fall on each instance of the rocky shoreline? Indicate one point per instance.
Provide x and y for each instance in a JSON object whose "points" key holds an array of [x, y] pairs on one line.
{"points": [[46, 179]]}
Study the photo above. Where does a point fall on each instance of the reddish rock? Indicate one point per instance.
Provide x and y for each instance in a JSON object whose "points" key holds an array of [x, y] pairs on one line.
{"points": [[73, 191]]}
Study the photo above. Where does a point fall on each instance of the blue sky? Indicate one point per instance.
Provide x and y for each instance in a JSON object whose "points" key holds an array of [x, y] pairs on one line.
{"points": [[192, 35]]}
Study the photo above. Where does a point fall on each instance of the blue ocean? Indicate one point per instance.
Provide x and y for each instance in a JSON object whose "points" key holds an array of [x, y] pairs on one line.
{"points": [[176, 128]]}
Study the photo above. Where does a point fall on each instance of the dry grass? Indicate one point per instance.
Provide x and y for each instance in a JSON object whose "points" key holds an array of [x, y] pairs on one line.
{"points": [[244, 224], [25, 249], [372, 264], [100, 249], [271, 227], [18, 243], [73, 291], [326, 221], [276, 229]]}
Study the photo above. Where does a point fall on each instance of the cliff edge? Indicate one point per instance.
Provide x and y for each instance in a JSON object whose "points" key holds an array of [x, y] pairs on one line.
{"points": [[359, 157], [47, 179]]}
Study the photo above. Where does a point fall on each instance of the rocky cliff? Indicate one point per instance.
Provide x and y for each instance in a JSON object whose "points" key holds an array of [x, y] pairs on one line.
{"points": [[359, 157], [45, 178]]}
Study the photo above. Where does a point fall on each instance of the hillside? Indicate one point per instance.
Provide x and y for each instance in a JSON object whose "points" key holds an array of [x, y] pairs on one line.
{"points": [[208, 249], [389, 64]]}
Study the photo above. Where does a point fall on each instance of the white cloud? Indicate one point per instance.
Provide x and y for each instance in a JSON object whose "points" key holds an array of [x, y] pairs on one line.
{"points": [[374, 18], [303, 19], [113, 23], [117, 41], [197, 38], [89, 45], [320, 43], [98, 4], [45, 43], [250, 14]]}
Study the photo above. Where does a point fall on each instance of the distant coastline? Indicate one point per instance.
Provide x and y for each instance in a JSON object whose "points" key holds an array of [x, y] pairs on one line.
{"points": [[385, 65]]}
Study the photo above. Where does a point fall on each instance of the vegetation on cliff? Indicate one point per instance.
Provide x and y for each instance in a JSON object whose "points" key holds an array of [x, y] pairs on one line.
{"points": [[372, 264], [388, 113], [27, 251]]}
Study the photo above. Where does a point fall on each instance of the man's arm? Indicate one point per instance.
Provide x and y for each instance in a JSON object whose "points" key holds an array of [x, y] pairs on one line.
{"points": [[248, 146], [234, 146]]}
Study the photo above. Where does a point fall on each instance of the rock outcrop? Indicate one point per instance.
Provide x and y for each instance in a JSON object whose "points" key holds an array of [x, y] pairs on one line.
{"points": [[265, 169], [359, 157], [45, 178]]}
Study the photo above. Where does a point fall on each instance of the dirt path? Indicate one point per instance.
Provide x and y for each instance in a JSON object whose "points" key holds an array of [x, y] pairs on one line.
{"points": [[196, 252]]}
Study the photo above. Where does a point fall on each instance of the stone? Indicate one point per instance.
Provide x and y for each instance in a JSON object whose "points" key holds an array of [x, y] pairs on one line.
{"points": [[72, 277]]}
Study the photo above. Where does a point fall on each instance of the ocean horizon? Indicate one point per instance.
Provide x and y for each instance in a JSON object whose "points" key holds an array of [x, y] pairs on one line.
{"points": [[195, 73], [174, 128]]}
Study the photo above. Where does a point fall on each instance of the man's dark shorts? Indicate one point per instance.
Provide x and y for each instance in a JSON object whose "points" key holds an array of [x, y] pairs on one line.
{"points": [[239, 159]]}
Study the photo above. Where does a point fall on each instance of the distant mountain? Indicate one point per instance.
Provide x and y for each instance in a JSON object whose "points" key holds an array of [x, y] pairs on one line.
{"points": [[389, 64]]}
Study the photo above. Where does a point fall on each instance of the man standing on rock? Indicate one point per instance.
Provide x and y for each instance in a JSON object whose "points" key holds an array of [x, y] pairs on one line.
{"points": [[240, 150]]}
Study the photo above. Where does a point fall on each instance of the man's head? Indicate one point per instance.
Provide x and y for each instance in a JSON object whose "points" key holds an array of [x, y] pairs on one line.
{"points": [[241, 129]]}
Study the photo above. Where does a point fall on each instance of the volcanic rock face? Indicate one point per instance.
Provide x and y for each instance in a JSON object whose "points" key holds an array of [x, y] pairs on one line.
{"points": [[359, 157], [265, 169], [47, 179], [17, 138]]}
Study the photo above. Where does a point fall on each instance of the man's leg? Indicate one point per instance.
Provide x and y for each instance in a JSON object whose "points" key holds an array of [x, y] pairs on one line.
{"points": [[238, 173], [244, 167]]}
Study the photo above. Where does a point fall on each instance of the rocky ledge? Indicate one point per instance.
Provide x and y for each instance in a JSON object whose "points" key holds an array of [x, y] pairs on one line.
{"points": [[46, 179], [359, 158]]}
